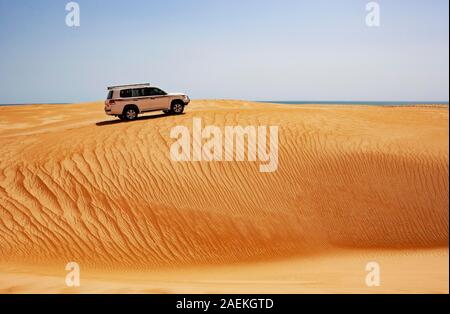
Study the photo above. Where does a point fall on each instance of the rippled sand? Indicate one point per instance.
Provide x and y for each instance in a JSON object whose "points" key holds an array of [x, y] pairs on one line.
{"points": [[354, 184]]}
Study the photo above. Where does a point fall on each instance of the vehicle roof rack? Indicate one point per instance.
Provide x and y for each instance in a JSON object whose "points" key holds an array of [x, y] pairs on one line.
{"points": [[130, 85]]}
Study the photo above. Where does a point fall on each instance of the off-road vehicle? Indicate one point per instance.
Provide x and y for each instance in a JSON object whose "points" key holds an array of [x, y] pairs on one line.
{"points": [[128, 101]]}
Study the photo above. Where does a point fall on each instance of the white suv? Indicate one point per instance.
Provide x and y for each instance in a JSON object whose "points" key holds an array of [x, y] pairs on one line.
{"points": [[128, 101]]}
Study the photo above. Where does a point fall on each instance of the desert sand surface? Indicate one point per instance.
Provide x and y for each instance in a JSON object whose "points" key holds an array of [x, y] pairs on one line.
{"points": [[354, 184]]}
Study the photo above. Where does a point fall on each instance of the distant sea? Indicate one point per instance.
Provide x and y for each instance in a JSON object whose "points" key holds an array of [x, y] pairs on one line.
{"points": [[367, 103], [303, 102], [58, 103]]}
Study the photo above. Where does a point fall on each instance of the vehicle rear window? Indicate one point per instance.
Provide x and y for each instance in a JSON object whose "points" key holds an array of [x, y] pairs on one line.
{"points": [[110, 95], [125, 93]]}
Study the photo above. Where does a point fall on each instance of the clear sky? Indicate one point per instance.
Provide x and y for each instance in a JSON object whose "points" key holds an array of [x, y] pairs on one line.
{"points": [[240, 49]]}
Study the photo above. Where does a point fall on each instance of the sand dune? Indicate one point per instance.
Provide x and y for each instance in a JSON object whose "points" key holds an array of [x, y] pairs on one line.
{"points": [[76, 185]]}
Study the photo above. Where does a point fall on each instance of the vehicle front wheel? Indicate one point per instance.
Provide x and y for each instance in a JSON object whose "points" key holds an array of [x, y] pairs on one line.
{"points": [[166, 111], [177, 108]]}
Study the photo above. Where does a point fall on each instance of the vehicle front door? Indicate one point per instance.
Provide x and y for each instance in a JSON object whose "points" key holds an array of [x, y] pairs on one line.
{"points": [[158, 99]]}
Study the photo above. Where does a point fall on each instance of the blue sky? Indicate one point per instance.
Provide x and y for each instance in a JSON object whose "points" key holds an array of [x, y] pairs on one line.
{"points": [[240, 49]]}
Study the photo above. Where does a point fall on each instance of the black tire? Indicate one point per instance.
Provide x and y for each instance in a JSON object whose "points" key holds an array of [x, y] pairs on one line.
{"points": [[130, 113], [177, 107], [121, 117], [166, 111]]}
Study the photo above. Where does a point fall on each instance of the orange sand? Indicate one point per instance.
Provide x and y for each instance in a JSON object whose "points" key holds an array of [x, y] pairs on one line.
{"points": [[354, 184]]}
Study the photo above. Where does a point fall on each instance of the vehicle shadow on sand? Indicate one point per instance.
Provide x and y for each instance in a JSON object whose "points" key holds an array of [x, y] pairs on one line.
{"points": [[141, 118]]}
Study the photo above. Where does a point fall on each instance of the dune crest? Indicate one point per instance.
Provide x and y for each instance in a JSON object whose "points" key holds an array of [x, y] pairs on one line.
{"points": [[106, 193]]}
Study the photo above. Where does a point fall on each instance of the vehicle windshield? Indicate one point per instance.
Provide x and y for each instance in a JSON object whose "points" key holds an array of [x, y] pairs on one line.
{"points": [[110, 95]]}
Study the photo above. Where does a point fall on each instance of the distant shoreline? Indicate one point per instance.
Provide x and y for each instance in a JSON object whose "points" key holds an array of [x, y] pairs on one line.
{"points": [[31, 104], [299, 102], [364, 103]]}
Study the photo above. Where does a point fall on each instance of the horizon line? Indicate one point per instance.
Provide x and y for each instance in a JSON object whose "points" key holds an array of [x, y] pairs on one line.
{"points": [[425, 102]]}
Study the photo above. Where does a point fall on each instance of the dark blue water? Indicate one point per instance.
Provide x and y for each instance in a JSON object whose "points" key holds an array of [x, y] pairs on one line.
{"points": [[367, 103], [3, 105], [302, 102]]}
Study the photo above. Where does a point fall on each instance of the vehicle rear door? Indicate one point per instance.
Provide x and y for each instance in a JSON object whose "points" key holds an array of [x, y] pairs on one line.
{"points": [[140, 99]]}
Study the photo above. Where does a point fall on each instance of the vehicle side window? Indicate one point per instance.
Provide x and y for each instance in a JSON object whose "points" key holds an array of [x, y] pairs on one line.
{"points": [[137, 92], [110, 95], [125, 93], [157, 92], [146, 92]]}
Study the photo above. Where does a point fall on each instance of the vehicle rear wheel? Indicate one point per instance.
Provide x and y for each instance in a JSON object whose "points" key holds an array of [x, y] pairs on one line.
{"points": [[177, 108], [130, 113]]}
